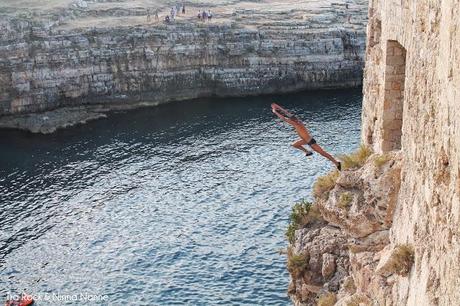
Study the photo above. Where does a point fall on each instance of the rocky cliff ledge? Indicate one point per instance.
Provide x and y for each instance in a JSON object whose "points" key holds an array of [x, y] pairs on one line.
{"points": [[340, 252], [106, 55]]}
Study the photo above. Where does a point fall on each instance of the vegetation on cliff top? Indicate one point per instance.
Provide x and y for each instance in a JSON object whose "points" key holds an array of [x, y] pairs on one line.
{"points": [[324, 184], [301, 214], [355, 159]]}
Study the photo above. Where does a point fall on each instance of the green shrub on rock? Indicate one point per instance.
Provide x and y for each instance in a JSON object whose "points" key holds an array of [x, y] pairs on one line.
{"points": [[301, 214], [324, 184], [296, 263], [345, 200], [355, 159]]}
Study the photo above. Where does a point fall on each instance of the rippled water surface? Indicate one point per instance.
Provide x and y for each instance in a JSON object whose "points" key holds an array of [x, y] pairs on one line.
{"points": [[184, 203]]}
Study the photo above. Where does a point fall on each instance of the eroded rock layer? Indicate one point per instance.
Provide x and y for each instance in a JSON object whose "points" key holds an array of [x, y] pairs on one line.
{"points": [[97, 55], [349, 239]]}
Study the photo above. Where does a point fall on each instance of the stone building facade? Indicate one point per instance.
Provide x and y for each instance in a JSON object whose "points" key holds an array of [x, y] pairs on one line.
{"points": [[397, 209], [412, 104]]}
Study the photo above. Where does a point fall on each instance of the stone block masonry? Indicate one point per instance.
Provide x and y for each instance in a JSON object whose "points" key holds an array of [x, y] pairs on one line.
{"points": [[411, 104], [393, 99], [402, 218]]}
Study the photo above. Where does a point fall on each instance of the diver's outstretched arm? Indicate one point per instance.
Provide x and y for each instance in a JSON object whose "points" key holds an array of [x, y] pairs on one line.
{"points": [[275, 110], [277, 107], [285, 119], [279, 115]]}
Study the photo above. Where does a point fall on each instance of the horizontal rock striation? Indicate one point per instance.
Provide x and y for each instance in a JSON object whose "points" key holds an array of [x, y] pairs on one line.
{"points": [[247, 52]]}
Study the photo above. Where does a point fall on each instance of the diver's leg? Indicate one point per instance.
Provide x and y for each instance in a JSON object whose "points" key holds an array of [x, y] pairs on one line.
{"points": [[298, 144], [320, 150]]}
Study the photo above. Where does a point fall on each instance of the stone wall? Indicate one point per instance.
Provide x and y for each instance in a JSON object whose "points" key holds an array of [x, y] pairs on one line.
{"points": [[428, 209], [399, 210], [43, 67]]}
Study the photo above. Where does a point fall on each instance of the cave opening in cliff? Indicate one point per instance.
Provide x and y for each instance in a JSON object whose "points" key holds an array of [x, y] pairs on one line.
{"points": [[395, 73]]}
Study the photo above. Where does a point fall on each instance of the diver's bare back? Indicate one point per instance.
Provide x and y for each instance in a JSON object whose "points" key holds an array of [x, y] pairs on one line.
{"points": [[302, 131], [298, 125]]}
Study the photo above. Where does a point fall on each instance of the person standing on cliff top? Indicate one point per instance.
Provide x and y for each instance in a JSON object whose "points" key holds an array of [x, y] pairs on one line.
{"points": [[305, 137], [148, 15]]}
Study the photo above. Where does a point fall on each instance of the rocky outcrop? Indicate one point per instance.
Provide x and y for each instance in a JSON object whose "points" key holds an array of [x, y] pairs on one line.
{"points": [[363, 201], [347, 249], [89, 56], [324, 251]]}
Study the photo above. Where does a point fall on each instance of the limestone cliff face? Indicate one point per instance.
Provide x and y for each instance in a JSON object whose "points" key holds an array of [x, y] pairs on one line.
{"points": [[400, 212], [348, 241], [45, 66]]}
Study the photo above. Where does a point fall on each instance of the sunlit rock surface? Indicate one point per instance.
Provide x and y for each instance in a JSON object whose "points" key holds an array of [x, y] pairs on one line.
{"points": [[402, 218], [65, 54], [350, 234]]}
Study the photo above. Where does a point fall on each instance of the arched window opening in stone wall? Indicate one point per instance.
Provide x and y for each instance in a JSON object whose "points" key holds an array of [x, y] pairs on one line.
{"points": [[395, 73]]}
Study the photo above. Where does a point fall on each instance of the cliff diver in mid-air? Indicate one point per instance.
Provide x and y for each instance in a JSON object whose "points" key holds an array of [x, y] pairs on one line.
{"points": [[305, 137]]}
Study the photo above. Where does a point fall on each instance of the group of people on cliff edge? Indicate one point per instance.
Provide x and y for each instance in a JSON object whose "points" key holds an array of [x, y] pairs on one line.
{"points": [[175, 10], [205, 15]]}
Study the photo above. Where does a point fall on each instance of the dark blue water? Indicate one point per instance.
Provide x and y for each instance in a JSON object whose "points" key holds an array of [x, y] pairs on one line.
{"points": [[185, 203]]}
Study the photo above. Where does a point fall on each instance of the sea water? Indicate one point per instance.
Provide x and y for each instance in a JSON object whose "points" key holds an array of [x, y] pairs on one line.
{"points": [[183, 203]]}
